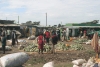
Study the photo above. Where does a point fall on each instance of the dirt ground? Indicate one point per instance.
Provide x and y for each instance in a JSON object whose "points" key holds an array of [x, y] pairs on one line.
{"points": [[61, 59]]}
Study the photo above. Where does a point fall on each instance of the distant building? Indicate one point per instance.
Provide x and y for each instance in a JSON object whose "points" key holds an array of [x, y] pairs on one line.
{"points": [[31, 23], [7, 22]]}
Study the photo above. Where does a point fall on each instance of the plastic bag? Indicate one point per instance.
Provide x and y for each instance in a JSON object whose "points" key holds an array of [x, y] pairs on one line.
{"points": [[78, 62], [15, 59], [49, 64], [88, 43], [89, 63]]}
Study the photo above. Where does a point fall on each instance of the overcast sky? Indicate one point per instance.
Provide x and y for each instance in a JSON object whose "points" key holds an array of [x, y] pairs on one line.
{"points": [[65, 11]]}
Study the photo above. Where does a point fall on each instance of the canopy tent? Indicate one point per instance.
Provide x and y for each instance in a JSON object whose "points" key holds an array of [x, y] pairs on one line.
{"points": [[95, 32]]}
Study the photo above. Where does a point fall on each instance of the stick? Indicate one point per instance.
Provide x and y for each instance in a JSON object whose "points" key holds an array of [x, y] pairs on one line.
{"points": [[97, 55]]}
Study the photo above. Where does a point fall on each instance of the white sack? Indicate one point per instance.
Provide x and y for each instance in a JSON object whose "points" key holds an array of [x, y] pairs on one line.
{"points": [[76, 66], [84, 64], [78, 62], [28, 38], [15, 59], [89, 63], [31, 37], [92, 65], [88, 43], [89, 40], [49, 64], [99, 64], [6, 48], [10, 41]]}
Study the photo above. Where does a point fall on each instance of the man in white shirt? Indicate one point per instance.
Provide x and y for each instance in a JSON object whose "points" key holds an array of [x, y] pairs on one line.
{"points": [[67, 33], [8, 33]]}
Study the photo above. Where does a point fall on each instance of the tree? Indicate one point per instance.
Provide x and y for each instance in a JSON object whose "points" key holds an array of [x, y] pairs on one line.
{"points": [[59, 25]]}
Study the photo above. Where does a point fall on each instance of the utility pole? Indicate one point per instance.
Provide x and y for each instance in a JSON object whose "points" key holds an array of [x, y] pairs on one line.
{"points": [[46, 19], [18, 19]]}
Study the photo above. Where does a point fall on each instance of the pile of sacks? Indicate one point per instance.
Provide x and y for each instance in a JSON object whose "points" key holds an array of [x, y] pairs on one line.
{"points": [[84, 63], [31, 37]]}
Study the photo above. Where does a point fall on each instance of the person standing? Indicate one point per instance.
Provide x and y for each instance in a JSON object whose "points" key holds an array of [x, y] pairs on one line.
{"points": [[4, 32], [3, 40], [8, 33], [62, 37], [53, 32], [41, 42], [64, 34], [16, 37], [13, 38], [84, 33], [0, 30], [81, 33], [54, 42], [27, 31], [47, 37], [67, 34], [58, 34]]}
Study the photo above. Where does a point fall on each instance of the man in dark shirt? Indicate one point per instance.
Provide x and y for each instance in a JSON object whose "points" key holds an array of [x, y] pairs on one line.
{"points": [[3, 40]]}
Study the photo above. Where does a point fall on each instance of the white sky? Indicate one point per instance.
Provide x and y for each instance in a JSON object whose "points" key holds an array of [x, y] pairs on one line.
{"points": [[65, 11]]}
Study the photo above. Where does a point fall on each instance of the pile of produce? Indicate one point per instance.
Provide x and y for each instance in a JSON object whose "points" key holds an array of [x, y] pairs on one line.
{"points": [[80, 41], [76, 47], [61, 47], [84, 63], [35, 48], [32, 48]]}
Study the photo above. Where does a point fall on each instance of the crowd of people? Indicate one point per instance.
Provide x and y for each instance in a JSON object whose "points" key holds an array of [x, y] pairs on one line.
{"points": [[7, 34], [54, 35], [58, 35], [44, 36]]}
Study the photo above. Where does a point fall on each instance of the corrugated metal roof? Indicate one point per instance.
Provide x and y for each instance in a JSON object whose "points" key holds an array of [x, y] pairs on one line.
{"points": [[12, 25]]}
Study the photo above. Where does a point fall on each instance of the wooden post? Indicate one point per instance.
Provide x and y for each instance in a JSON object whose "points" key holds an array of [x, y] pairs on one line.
{"points": [[97, 55]]}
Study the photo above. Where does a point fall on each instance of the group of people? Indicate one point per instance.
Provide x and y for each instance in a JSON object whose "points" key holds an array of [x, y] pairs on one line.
{"points": [[8, 34], [86, 32], [54, 35]]}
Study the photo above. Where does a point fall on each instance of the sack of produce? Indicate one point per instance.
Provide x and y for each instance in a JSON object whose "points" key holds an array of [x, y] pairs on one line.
{"points": [[49, 64], [8, 48], [78, 62], [88, 43], [15, 59], [84, 64], [31, 37], [76, 66]]}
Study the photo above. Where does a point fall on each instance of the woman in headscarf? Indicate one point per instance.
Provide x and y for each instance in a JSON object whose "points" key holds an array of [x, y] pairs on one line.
{"points": [[41, 42], [54, 41]]}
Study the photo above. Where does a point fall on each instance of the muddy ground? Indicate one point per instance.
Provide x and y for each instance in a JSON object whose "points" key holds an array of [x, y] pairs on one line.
{"points": [[61, 59]]}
